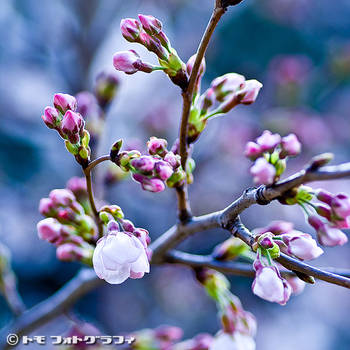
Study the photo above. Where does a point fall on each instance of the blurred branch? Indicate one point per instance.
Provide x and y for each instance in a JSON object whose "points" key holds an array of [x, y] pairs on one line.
{"points": [[63, 299], [10, 292]]}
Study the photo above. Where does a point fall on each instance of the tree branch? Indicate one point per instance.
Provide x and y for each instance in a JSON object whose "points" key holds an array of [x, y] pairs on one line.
{"points": [[82, 283], [240, 231], [231, 267]]}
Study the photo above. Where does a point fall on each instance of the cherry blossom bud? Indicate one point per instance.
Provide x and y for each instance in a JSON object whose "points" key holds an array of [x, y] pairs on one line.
{"points": [[268, 141], [46, 207], [51, 117], [277, 227], [173, 159], [252, 150], [130, 28], [290, 145], [324, 210], [144, 164], [341, 205], [297, 285], [157, 146], [327, 235], [150, 24], [119, 256], [78, 186], [72, 124], [154, 45], [153, 185], [49, 230], [163, 170], [168, 333], [249, 91], [62, 197], [266, 241], [129, 62], [106, 87], [301, 245], [128, 225], [189, 67], [263, 172], [324, 196], [226, 84], [72, 252], [64, 102], [269, 285]]}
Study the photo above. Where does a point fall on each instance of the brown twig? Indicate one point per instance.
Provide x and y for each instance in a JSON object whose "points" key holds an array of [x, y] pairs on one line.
{"points": [[187, 96]]}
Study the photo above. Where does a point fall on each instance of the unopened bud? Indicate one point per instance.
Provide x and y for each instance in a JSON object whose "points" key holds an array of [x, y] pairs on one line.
{"points": [[65, 102], [129, 62], [72, 125], [150, 24], [51, 117], [130, 28]]}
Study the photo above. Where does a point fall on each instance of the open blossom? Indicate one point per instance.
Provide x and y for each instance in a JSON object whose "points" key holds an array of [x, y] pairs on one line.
{"points": [[263, 172], [327, 234], [301, 245], [236, 341], [119, 256], [269, 285], [65, 102]]}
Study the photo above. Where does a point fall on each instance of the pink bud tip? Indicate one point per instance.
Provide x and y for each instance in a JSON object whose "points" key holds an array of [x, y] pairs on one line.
{"points": [[130, 29], [150, 24], [65, 102], [128, 62], [263, 172], [72, 125], [250, 91], [51, 117], [291, 145]]}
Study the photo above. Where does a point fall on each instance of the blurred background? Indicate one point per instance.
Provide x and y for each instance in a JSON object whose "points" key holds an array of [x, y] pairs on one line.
{"points": [[299, 50]]}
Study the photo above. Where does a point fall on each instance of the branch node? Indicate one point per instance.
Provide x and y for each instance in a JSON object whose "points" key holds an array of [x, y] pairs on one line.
{"points": [[260, 196]]}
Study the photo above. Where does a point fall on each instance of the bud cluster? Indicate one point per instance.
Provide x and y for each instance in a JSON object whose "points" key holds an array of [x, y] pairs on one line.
{"points": [[162, 337], [335, 213], [269, 241], [155, 171], [123, 252], [234, 319], [65, 119], [68, 225], [224, 94], [148, 31], [270, 153]]}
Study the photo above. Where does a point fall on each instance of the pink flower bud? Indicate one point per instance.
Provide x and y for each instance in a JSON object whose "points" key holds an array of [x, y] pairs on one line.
{"points": [[70, 252], [62, 197], [143, 236], [328, 235], [106, 87], [277, 227], [163, 170], [130, 29], [150, 24], [64, 102], [153, 185], [341, 206], [72, 125], [324, 196], [269, 285], [249, 91], [77, 185], [252, 150], [324, 211], [157, 146], [226, 84], [49, 230], [51, 117], [268, 141], [129, 62], [154, 45], [263, 172], [168, 333], [291, 145], [189, 67], [173, 159], [144, 164], [119, 256], [46, 206], [266, 242], [297, 285], [301, 245], [128, 226]]}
